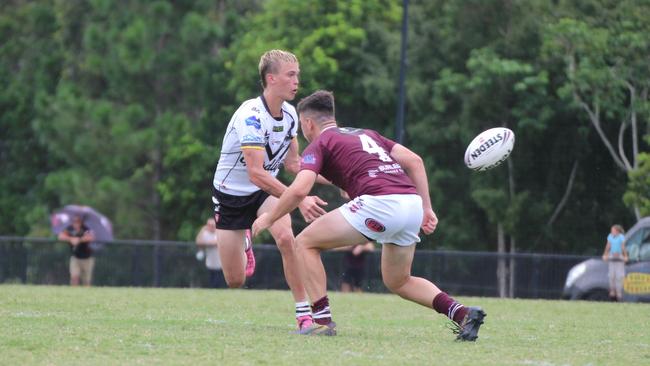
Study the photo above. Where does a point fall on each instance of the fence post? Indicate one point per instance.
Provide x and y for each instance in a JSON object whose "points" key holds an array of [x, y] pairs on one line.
{"points": [[135, 266], [535, 281], [156, 265]]}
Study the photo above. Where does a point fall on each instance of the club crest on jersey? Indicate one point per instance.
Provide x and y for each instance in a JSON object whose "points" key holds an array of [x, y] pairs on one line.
{"points": [[375, 225], [254, 121], [309, 159]]}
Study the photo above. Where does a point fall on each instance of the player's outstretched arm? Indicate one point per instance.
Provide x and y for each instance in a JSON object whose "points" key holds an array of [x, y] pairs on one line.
{"points": [[288, 201], [309, 207], [414, 166]]}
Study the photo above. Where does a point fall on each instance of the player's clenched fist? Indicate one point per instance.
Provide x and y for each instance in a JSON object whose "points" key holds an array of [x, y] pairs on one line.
{"points": [[429, 221]]}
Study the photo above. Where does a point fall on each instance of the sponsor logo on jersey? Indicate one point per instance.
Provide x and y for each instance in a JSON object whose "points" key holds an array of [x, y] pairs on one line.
{"points": [[278, 128], [375, 225], [309, 159], [252, 139], [391, 168], [254, 121]]}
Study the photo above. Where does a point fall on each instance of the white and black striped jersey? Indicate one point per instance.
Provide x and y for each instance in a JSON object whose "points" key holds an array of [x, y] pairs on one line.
{"points": [[252, 126]]}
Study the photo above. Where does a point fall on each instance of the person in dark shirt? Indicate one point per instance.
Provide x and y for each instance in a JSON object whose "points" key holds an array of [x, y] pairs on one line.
{"points": [[390, 203], [354, 271], [81, 261], [354, 262]]}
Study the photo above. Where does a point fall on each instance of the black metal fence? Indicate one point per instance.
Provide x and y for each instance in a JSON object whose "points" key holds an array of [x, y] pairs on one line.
{"points": [[173, 264]]}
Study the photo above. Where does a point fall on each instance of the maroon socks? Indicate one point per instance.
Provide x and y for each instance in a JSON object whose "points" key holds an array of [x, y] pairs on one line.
{"points": [[320, 310], [446, 305]]}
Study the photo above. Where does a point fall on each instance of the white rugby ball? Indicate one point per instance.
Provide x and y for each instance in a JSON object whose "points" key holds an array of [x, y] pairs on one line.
{"points": [[489, 149]]}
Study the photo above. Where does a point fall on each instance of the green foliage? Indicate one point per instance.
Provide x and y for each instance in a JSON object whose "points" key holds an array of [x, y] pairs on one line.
{"points": [[638, 186], [123, 108]]}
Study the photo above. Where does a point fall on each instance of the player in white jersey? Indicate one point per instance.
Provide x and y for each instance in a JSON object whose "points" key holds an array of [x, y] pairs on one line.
{"points": [[261, 137]]}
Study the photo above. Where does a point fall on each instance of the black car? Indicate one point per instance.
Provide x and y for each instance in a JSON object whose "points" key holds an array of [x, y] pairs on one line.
{"points": [[588, 280]]}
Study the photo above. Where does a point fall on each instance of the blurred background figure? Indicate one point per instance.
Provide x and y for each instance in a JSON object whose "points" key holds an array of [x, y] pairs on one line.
{"points": [[354, 267], [96, 222], [206, 240], [354, 262], [616, 254], [79, 236], [86, 230]]}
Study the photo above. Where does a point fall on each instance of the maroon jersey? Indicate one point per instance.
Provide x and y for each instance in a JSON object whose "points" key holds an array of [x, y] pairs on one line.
{"points": [[357, 161]]}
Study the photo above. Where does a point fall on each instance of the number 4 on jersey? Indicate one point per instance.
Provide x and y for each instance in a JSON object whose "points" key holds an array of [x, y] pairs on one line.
{"points": [[370, 146]]}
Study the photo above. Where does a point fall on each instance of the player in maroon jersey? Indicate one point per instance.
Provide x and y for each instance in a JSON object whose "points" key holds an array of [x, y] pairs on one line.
{"points": [[390, 203]]}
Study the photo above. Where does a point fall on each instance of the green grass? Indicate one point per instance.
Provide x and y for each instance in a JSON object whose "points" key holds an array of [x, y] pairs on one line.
{"points": [[91, 326]]}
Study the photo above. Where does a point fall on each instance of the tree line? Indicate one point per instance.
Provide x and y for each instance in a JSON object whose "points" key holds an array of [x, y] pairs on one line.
{"points": [[123, 107]]}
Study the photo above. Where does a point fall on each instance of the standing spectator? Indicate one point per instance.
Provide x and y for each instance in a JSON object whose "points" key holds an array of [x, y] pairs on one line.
{"points": [[206, 240], [354, 262], [81, 262], [354, 271], [616, 254]]}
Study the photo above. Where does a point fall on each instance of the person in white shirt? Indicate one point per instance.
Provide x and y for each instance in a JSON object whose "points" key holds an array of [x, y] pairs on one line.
{"points": [[259, 139], [206, 240]]}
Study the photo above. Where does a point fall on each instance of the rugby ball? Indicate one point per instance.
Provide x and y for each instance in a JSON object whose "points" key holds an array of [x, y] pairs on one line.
{"points": [[489, 149]]}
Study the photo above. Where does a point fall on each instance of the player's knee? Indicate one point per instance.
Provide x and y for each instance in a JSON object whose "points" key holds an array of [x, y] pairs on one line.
{"points": [[285, 242], [304, 242], [394, 283]]}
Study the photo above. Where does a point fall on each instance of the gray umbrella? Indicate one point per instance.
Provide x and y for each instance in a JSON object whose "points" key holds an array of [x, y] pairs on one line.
{"points": [[95, 221]]}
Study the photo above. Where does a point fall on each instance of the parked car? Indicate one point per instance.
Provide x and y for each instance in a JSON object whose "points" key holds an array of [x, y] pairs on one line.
{"points": [[588, 280]]}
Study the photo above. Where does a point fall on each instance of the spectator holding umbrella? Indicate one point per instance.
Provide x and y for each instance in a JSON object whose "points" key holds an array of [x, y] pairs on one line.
{"points": [[86, 233], [79, 236]]}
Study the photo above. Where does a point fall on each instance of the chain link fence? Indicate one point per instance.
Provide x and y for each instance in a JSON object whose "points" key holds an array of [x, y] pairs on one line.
{"points": [[144, 263]]}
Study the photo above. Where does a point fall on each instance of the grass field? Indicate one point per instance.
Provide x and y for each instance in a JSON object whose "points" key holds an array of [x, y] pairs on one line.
{"points": [[99, 326]]}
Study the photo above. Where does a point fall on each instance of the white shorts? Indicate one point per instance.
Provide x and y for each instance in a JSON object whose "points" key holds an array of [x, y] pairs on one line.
{"points": [[392, 218]]}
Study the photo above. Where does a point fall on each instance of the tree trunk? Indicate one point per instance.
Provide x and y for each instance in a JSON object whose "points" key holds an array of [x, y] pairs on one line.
{"points": [[501, 264], [563, 201]]}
